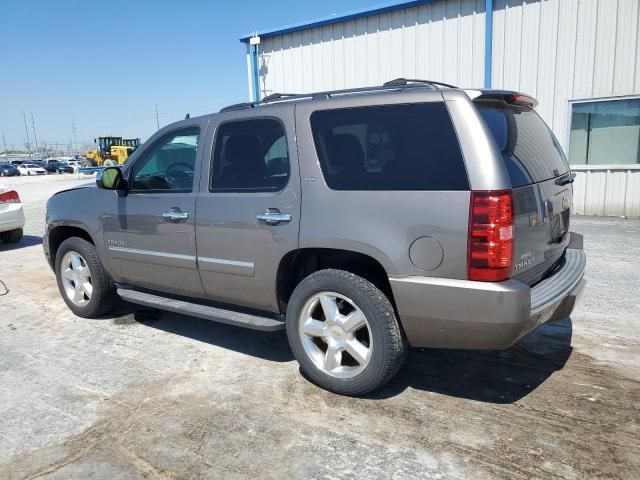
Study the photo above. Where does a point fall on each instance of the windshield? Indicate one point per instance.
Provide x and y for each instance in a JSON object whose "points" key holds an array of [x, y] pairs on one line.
{"points": [[530, 151]]}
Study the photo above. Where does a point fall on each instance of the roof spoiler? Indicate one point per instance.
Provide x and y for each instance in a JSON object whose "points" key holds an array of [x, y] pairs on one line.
{"points": [[511, 98]]}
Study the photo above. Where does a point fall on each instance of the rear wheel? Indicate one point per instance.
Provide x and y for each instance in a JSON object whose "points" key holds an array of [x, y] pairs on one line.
{"points": [[84, 284], [344, 333], [12, 236]]}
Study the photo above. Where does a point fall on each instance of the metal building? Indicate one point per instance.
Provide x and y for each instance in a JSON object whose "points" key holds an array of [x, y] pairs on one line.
{"points": [[579, 58]]}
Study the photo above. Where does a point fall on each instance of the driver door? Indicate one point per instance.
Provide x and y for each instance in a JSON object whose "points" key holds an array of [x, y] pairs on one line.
{"points": [[149, 234]]}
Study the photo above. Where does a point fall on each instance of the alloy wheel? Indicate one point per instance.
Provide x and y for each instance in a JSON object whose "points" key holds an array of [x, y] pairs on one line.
{"points": [[76, 278], [335, 335]]}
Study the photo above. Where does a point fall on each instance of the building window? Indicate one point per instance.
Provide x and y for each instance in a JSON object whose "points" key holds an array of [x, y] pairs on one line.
{"points": [[605, 132]]}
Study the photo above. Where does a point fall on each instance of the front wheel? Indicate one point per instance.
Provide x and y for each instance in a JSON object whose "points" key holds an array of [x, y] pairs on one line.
{"points": [[84, 284], [344, 333]]}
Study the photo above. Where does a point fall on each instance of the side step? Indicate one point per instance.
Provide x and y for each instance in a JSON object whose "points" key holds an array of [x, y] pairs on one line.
{"points": [[201, 311]]}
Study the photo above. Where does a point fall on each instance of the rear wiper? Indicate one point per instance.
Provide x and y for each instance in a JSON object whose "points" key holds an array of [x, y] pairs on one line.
{"points": [[569, 178]]}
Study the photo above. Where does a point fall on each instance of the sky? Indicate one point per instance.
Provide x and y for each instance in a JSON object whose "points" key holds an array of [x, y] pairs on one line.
{"points": [[105, 65]]}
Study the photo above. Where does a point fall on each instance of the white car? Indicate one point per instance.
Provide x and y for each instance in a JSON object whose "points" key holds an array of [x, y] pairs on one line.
{"points": [[31, 169], [11, 216]]}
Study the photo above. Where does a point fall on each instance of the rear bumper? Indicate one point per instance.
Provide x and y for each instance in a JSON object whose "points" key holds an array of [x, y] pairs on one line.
{"points": [[11, 217], [445, 313]]}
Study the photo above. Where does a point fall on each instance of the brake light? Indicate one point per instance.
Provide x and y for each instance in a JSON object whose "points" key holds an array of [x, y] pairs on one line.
{"points": [[521, 99], [491, 234], [9, 197]]}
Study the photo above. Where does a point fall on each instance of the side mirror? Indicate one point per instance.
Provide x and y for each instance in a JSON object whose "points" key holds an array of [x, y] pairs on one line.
{"points": [[110, 178]]}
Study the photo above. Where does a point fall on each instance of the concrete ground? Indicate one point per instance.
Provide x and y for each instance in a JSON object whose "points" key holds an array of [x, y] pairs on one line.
{"points": [[139, 396]]}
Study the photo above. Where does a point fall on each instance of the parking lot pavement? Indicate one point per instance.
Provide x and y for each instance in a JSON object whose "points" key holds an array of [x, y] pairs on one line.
{"points": [[146, 395]]}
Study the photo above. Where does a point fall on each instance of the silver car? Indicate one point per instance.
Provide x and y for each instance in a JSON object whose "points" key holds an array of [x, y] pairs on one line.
{"points": [[362, 221]]}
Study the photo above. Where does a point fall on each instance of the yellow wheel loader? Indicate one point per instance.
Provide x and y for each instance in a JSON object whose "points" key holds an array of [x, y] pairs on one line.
{"points": [[111, 151]]}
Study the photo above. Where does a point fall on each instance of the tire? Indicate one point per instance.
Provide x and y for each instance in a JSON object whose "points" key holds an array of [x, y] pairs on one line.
{"points": [[12, 236], [103, 293], [109, 163], [381, 336]]}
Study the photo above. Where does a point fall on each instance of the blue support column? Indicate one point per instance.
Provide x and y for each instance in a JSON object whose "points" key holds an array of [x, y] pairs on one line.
{"points": [[255, 74], [488, 42]]}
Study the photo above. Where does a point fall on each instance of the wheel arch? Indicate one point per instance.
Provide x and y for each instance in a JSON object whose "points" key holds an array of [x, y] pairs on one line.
{"points": [[300, 263], [60, 233]]}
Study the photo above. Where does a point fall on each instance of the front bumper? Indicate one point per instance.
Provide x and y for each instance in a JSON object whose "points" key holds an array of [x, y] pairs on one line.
{"points": [[446, 313]]}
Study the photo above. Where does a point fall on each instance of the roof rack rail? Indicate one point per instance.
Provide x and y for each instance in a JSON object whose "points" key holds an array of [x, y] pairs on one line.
{"points": [[237, 106], [399, 82], [392, 84]]}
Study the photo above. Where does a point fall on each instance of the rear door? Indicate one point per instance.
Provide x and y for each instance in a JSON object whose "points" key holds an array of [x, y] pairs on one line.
{"points": [[248, 206], [541, 182]]}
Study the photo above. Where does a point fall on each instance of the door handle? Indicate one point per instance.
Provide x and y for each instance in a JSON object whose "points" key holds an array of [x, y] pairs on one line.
{"points": [[273, 217], [175, 215]]}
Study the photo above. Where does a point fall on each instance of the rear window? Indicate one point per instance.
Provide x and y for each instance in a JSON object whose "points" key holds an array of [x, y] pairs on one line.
{"points": [[391, 147], [530, 151]]}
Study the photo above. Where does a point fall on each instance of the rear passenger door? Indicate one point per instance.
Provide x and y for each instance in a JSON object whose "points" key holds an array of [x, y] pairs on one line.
{"points": [[249, 206]]}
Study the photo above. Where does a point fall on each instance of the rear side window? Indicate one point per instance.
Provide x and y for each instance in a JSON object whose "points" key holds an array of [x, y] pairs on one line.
{"points": [[250, 156], [530, 151], [391, 147]]}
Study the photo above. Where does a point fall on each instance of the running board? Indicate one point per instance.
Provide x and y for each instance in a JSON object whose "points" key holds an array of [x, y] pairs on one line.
{"points": [[201, 311]]}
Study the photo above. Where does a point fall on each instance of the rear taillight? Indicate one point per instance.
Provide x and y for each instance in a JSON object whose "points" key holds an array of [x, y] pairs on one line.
{"points": [[9, 197], [491, 233]]}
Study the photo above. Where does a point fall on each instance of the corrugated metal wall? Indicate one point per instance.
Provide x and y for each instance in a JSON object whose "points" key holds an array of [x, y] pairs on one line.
{"points": [[440, 41], [609, 190], [556, 50], [562, 50]]}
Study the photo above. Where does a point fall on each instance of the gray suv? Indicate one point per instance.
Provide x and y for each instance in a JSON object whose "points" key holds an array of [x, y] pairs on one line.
{"points": [[362, 221]]}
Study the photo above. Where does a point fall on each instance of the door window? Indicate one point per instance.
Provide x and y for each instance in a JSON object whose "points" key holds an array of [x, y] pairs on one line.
{"points": [[169, 165], [250, 156]]}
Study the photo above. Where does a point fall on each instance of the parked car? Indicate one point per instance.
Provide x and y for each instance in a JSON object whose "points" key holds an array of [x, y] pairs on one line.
{"points": [[11, 216], [31, 169], [362, 221], [8, 170], [56, 166]]}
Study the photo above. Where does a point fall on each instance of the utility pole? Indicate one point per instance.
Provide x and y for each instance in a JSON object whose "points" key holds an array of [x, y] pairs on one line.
{"points": [[27, 130], [73, 126], [35, 137], [157, 119], [4, 141]]}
